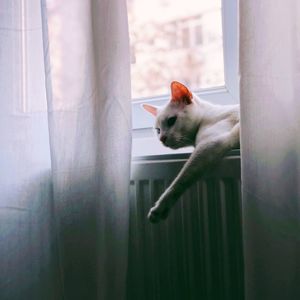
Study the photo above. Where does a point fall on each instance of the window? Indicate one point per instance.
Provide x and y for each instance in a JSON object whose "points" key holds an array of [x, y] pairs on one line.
{"points": [[191, 41], [172, 39]]}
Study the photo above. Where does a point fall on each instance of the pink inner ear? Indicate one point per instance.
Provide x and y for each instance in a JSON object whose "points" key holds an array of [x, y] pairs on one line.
{"points": [[180, 93], [151, 109]]}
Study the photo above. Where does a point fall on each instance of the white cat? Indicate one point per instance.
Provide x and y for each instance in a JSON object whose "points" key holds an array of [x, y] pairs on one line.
{"points": [[189, 121]]}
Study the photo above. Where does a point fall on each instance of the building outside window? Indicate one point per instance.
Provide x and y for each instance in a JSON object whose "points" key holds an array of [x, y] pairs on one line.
{"points": [[175, 40]]}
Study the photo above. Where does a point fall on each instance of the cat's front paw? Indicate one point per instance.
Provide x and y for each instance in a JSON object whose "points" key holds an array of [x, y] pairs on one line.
{"points": [[158, 212]]}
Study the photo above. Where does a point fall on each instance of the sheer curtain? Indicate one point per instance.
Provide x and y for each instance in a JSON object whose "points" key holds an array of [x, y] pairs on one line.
{"points": [[270, 142], [65, 149]]}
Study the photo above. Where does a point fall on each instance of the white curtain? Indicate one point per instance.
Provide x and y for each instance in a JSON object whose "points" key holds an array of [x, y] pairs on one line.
{"points": [[270, 144], [65, 149]]}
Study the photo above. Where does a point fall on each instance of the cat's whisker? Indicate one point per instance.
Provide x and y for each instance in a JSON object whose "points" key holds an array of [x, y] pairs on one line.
{"points": [[183, 141]]}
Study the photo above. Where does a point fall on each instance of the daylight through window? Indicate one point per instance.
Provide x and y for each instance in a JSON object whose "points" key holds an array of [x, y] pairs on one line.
{"points": [[175, 40]]}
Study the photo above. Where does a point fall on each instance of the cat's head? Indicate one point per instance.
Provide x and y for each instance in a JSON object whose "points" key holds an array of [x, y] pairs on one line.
{"points": [[176, 123]]}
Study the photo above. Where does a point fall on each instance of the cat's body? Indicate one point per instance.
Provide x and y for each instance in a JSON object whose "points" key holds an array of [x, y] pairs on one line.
{"points": [[189, 121]]}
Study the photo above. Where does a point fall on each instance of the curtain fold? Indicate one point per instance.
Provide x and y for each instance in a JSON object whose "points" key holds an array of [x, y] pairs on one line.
{"points": [[65, 150], [270, 131]]}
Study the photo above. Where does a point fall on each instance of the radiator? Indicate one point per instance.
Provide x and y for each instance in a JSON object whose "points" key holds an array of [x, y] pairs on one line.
{"points": [[197, 252]]}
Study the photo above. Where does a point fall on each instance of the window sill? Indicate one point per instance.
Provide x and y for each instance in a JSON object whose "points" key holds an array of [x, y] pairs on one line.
{"points": [[228, 167], [234, 153], [150, 145]]}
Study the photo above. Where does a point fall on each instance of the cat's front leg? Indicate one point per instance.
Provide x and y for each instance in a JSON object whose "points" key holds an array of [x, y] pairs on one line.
{"points": [[205, 155], [158, 212], [161, 209]]}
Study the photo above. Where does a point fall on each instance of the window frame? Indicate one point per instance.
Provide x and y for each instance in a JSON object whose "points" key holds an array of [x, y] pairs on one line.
{"points": [[142, 122]]}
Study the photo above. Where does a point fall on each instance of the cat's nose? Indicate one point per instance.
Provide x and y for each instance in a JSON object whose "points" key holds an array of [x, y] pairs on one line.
{"points": [[163, 138]]}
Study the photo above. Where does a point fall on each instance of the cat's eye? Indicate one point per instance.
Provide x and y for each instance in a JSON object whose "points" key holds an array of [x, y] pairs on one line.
{"points": [[157, 130], [171, 121]]}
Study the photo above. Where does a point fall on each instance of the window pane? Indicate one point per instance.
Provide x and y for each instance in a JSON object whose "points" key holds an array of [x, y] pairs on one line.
{"points": [[175, 40]]}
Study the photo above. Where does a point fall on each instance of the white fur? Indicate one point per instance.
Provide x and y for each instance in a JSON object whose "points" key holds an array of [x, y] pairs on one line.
{"points": [[212, 129]]}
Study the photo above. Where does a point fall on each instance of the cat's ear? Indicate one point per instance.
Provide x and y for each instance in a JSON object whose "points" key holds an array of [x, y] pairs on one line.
{"points": [[151, 109], [180, 93]]}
